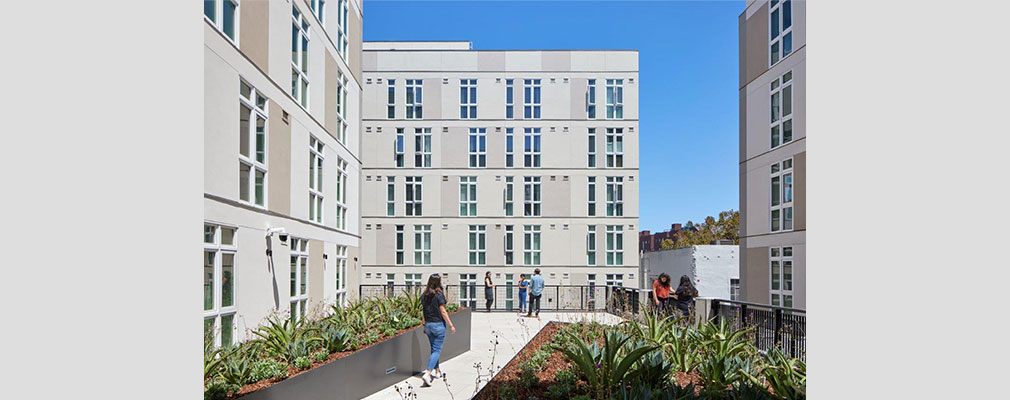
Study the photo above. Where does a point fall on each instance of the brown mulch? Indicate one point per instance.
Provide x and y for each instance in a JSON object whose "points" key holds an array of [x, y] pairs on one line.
{"points": [[509, 376]]}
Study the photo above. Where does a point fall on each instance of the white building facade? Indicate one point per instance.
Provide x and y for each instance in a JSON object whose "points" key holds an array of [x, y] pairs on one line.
{"points": [[714, 269], [281, 153], [501, 161]]}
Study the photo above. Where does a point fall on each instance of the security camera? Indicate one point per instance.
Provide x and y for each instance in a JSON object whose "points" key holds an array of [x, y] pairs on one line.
{"points": [[283, 237], [281, 234]]}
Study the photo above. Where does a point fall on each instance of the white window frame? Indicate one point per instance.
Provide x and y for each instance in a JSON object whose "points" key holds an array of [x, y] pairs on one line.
{"points": [[422, 147], [412, 199], [591, 148], [531, 148], [591, 245], [299, 65], [341, 108], [414, 99], [509, 244], [615, 245], [531, 245], [255, 162], [218, 19], [218, 310], [510, 148], [412, 279], [778, 260], [298, 299], [341, 194], [508, 195], [591, 99], [531, 98], [468, 196], [399, 158], [615, 280], [477, 147], [319, 11], [615, 147], [390, 196], [591, 196], [477, 245], [781, 101], [422, 244], [510, 90], [342, 37], [531, 196], [776, 17], [316, 169], [615, 98], [390, 98], [467, 99], [615, 196], [781, 216], [341, 293], [398, 241]]}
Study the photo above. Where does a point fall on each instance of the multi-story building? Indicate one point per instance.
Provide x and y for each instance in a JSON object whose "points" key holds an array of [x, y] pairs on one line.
{"points": [[649, 241], [773, 155], [281, 159], [501, 161]]}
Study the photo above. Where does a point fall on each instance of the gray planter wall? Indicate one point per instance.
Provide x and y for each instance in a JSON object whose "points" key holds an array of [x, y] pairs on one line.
{"points": [[370, 370]]}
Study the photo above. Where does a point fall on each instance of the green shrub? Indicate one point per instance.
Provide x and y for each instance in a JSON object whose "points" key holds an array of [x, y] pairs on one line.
{"points": [[236, 370], [267, 368], [564, 384], [652, 370], [303, 362], [368, 338], [507, 392], [528, 378], [786, 376], [217, 389], [538, 359], [389, 332], [334, 338], [320, 356], [605, 367], [285, 339], [451, 307]]}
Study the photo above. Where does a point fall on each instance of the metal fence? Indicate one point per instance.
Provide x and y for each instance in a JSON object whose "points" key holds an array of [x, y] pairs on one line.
{"points": [[785, 328], [505, 297]]}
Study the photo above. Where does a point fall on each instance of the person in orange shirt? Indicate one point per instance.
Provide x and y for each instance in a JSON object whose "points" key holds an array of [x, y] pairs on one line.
{"points": [[661, 292]]}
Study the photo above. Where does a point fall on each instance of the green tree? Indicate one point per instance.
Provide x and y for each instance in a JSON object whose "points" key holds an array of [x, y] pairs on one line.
{"points": [[667, 244], [727, 227]]}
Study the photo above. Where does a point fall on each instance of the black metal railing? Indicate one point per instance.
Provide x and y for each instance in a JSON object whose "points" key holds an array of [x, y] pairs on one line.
{"points": [[781, 327], [505, 297]]}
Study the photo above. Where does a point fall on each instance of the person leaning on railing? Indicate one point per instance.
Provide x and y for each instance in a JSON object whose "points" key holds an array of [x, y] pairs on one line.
{"points": [[685, 295], [661, 292]]}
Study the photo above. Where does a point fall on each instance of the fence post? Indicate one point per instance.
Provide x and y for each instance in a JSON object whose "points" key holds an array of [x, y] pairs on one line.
{"points": [[743, 316], [715, 309], [582, 298], [778, 328]]}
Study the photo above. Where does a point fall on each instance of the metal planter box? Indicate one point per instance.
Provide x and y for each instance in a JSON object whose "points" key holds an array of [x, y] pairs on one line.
{"points": [[370, 370]]}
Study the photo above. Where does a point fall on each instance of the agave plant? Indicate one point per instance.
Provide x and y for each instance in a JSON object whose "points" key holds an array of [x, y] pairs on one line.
{"points": [[285, 339], [334, 338], [668, 392], [651, 370], [236, 369], [682, 348], [655, 329], [719, 373], [721, 340], [787, 377], [604, 367], [211, 359]]}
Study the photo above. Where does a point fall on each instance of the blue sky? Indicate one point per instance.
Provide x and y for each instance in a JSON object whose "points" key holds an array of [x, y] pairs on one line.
{"points": [[687, 69]]}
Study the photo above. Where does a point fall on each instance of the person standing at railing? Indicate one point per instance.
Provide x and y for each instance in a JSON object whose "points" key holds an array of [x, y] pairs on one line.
{"points": [[523, 284], [488, 291], [536, 290], [661, 292], [435, 319], [685, 295]]}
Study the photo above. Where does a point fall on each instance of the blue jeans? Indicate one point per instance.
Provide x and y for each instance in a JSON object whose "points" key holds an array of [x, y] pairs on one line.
{"points": [[436, 335], [522, 300]]}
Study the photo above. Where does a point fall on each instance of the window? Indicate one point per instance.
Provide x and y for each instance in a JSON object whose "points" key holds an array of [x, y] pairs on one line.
{"points": [[509, 244], [615, 196], [531, 196], [615, 279], [319, 10], [299, 58], [509, 97], [221, 14], [414, 99], [531, 99], [531, 148], [341, 108], [591, 150], [468, 196], [782, 109], [734, 289], [412, 280], [422, 147], [342, 28], [591, 195], [780, 15], [468, 290], [390, 280], [591, 99], [509, 148], [398, 148], [219, 283], [478, 147], [390, 196], [252, 159], [615, 147], [615, 245], [478, 249], [390, 98], [413, 196], [315, 180], [422, 244], [782, 196], [467, 98], [591, 245], [531, 244], [341, 294], [591, 281], [298, 292], [509, 196], [399, 245], [341, 194], [615, 98], [781, 260]]}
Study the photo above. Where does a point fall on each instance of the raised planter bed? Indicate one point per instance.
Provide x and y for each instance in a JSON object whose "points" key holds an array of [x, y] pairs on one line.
{"points": [[371, 369]]}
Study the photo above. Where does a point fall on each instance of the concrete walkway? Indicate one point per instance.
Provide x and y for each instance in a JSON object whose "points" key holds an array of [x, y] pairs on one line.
{"points": [[512, 332]]}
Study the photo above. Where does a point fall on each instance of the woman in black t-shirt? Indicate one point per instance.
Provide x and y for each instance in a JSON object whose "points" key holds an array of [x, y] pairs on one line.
{"points": [[435, 320], [488, 291], [685, 295]]}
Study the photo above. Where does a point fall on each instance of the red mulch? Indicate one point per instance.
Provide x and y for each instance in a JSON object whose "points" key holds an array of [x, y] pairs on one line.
{"points": [[292, 371], [510, 374]]}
